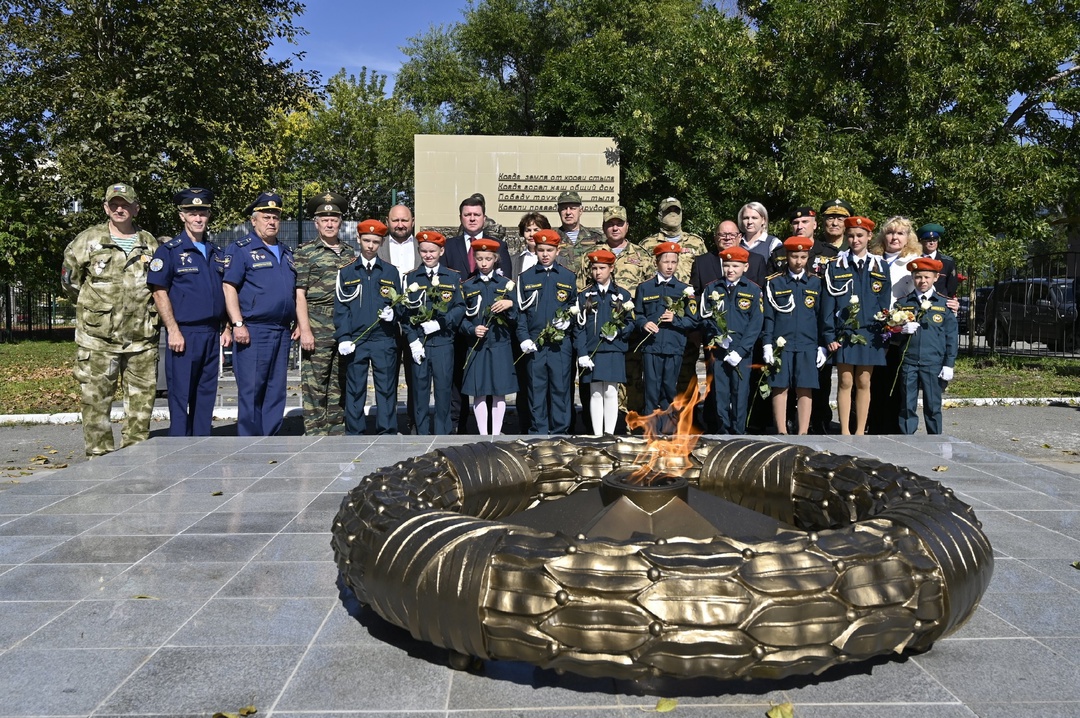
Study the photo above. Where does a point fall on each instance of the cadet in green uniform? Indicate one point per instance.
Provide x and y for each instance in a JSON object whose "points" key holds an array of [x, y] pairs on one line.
{"points": [[322, 370], [116, 322]]}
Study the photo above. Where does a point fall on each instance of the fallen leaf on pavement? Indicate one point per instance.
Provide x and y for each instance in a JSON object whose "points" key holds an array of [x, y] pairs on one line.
{"points": [[666, 705], [784, 710], [941, 468]]}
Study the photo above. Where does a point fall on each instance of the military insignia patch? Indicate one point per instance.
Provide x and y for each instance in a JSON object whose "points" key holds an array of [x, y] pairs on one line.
{"points": [[227, 261], [809, 300], [876, 286], [562, 295], [446, 295], [691, 306], [156, 265], [744, 303], [384, 290], [938, 318]]}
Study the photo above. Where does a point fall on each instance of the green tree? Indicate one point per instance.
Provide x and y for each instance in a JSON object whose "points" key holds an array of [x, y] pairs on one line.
{"points": [[157, 93]]}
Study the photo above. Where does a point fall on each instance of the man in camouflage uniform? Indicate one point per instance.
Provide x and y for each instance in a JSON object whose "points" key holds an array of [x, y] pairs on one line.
{"points": [[693, 246], [116, 322], [633, 265], [577, 241], [321, 368]]}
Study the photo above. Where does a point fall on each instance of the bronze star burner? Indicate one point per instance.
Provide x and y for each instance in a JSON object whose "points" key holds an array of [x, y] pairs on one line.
{"points": [[749, 560]]}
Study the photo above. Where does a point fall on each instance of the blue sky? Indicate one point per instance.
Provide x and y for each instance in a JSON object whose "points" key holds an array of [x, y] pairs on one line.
{"points": [[365, 34]]}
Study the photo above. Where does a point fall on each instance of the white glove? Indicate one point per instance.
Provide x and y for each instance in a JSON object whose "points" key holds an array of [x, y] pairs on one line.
{"points": [[345, 348], [946, 373], [733, 358], [820, 361], [608, 337], [910, 328], [386, 314], [768, 352], [561, 324], [528, 346], [417, 350], [585, 362], [725, 341], [430, 326]]}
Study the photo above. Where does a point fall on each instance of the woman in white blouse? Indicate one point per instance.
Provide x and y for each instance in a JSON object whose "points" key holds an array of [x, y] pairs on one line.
{"points": [[754, 225]]}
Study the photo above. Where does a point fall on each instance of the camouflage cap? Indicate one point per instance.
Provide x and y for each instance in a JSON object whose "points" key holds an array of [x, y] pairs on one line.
{"points": [[615, 212], [123, 191], [668, 203], [329, 203], [568, 197]]}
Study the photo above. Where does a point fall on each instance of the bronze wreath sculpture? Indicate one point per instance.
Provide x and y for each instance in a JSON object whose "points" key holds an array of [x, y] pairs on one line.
{"points": [[866, 559]]}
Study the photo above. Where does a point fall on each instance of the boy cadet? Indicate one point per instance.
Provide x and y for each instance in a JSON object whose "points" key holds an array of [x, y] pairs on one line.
{"points": [[664, 308], [931, 348], [116, 323], [792, 313], [317, 263], [260, 298], [366, 329], [731, 339], [431, 342], [186, 275], [546, 292]]}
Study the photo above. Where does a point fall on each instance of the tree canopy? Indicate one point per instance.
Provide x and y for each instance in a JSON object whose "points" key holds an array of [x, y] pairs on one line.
{"points": [[941, 110]]}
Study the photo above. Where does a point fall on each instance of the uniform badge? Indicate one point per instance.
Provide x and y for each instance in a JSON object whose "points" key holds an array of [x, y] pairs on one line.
{"points": [[876, 286], [156, 265], [744, 303], [809, 300], [562, 295], [227, 260], [185, 258], [446, 295], [691, 306], [937, 318], [385, 290], [99, 266]]}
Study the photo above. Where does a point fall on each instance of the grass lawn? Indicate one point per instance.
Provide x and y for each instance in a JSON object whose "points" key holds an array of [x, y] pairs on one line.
{"points": [[996, 376], [35, 377]]}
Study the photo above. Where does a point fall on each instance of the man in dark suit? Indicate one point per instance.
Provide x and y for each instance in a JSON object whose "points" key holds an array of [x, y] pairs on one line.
{"points": [[930, 237], [458, 256], [709, 267]]}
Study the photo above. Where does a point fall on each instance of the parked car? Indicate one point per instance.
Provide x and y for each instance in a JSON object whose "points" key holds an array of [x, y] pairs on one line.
{"points": [[1033, 310], [963, 315]]}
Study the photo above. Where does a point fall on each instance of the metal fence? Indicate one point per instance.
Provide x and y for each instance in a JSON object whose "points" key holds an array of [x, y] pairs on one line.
{"points": [[33, 315]]}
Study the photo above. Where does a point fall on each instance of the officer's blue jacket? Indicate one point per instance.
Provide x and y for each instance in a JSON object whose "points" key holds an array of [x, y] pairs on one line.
{"points": [[192, 281], [266, 287]]}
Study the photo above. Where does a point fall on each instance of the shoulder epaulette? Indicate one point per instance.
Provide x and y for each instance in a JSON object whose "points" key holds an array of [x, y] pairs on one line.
{"points": [[174, 243], [243, 242], [774, 275]]}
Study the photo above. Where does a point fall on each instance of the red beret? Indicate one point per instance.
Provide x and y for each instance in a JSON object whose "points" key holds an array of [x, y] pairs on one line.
{"points": [[925, 264], [430, 235], [371, 226], [867, 224], [601, 256], [735, 254], [798, 244], [665, 247], [547, 236], [485, 245]]}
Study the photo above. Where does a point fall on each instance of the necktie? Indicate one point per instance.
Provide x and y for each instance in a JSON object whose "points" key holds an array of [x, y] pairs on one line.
{"points": [[431, 274], [472, 260], [369, 267], [858, 264]]}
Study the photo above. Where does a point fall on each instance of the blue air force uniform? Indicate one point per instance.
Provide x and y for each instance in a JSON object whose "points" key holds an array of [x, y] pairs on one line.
{"points": [[437, 366], [266, 288], [541, 293], [793, 311], [490, 367], [361, 294], [932, 347], [662, 353], [596, 305], [872, 284], [191, 273], [741, 306]]}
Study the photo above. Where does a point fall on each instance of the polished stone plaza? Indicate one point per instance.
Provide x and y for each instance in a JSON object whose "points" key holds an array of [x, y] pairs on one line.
{"points": [[183, 577]]}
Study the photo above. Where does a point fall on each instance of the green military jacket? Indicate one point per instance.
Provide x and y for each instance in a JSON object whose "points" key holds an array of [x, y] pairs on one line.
{"points": [[633, 265], [316, 273], [692, 245], [114, 306], [588, 239]]}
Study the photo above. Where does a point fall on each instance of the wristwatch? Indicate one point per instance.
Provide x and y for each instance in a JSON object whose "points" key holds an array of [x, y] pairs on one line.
{"points": [[239, 323]]}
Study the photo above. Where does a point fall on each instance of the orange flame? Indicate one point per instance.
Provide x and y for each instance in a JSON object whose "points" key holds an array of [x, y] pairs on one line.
{"points": [[663, 453]]}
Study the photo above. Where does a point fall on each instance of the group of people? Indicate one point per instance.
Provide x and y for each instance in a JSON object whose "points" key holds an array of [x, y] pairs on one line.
{"points": [[469, 321]]}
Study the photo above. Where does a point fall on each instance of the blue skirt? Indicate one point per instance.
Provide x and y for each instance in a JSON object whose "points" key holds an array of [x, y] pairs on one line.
{"points": [[490, 371], [608, 366]]}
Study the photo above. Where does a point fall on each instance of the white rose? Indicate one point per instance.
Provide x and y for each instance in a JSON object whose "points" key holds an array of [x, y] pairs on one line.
{"points": [[435, 281], [689, 291], [926, 304], [414, 287], [715, 296], [627, 305], [854, 299], [574, 310], [509, 285], [780, 342]]}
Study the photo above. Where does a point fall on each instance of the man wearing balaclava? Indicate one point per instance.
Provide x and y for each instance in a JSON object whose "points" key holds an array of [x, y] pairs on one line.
{"points": [[670, 216]]}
